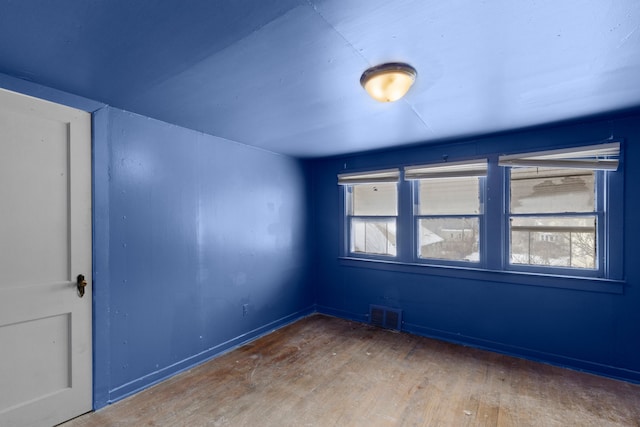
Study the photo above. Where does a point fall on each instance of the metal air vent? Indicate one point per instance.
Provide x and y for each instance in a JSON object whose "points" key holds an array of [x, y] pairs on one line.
{"points": [[385, 317]]}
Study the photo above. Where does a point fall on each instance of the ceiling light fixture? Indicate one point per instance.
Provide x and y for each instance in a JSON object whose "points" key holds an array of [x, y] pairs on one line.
{"points": [[388, 82]]}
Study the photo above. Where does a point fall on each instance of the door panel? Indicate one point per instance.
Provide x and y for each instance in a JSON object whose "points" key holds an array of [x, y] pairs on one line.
{"points": [[36, 357], [45, 242], [31, 142]]}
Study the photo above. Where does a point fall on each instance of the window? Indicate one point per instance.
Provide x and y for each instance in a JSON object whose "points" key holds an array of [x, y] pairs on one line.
{"points": [[372, 210], [558, 213], [553, 217], [557, 207], [448, 209]]}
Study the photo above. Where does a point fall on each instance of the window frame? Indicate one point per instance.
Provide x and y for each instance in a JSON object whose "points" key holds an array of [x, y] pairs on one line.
{"points": [[552, 269], [494, 231], [465, 167], [347, 181], [415, 230], [604, 205]]}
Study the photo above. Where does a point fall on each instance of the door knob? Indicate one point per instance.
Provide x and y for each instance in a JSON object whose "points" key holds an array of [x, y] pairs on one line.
{"points": [[82, 283]]}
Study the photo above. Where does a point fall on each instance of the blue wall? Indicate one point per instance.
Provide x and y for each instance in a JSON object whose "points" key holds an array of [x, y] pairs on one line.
{"points": [[199, 245], [581, 323], [189, 228]]}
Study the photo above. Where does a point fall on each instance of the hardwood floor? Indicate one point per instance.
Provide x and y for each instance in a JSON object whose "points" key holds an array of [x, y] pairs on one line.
{"points": [[323, 371]]}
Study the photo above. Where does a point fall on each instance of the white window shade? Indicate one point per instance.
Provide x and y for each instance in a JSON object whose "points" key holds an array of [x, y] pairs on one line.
{"points": [[374, 177], [475, 168], [375, 199], [593, 157]]}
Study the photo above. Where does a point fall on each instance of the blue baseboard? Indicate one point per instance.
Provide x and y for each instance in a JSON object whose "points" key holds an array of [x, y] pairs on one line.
{"points": [[496, 347], [156, 377], [525, 353], [160, 375], [364, 318]]}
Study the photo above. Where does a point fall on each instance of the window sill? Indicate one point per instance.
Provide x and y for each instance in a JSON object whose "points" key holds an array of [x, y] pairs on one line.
{"points": [[589, 284]]}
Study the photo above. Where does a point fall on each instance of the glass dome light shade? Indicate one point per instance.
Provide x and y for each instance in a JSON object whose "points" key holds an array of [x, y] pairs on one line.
{"points": [[388, 82]]}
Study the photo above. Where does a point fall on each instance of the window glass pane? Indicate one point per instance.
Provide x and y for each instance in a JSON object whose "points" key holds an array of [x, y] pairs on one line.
{"points": [[375, 199], [449, 238], [449, 196], [554, 241], [373, 236], [548, 190]]}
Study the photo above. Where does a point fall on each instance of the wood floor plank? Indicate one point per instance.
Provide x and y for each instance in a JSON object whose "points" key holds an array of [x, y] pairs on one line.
{"points": [[323, 371]]}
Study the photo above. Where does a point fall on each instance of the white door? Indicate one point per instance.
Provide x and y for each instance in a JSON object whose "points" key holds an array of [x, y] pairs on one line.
{"points": [[45, 243]]}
